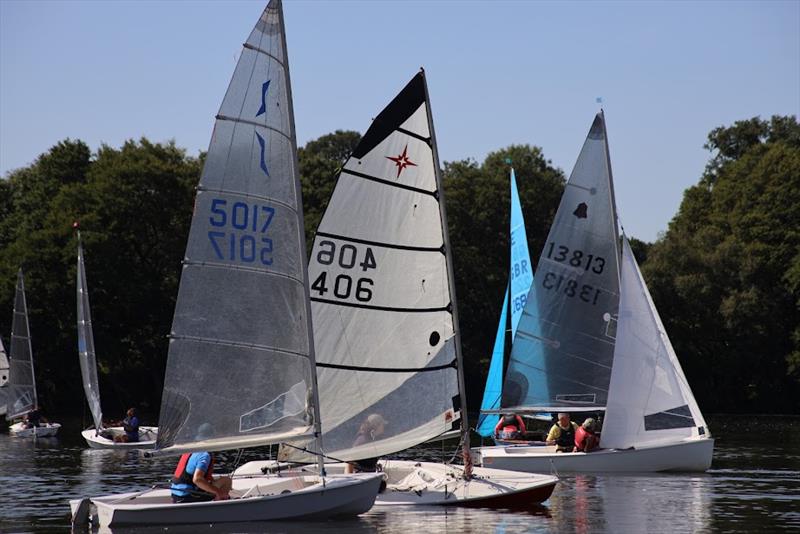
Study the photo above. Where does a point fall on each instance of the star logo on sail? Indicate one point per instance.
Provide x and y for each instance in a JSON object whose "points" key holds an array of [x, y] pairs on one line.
{"points": [[402, 161]]}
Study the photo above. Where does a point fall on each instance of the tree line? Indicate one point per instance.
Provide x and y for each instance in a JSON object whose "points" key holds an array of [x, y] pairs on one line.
{"points": [[725, 275]]}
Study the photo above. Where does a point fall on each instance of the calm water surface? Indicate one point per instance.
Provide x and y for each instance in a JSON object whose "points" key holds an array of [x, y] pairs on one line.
{"points": [[753, 485]]}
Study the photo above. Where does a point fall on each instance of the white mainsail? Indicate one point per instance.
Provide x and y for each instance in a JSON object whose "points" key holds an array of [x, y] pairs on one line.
{"points": [[3, 378], [86, 354], [381, 292], [240, 370], [649, 399], [566, 335], [22, 381]]}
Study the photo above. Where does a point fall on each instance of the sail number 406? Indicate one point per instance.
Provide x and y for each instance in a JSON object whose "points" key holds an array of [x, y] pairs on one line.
{"points": [[348, 256], [240, 220]]}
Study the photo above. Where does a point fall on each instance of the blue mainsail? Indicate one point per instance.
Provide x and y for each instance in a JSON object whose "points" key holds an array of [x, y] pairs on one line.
{"points": [[520, 281]]}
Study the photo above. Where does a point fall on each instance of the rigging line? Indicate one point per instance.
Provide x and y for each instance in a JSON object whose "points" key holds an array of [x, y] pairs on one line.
{"points": [[451, 365], [219, 265], [381, 308], [434, 194], [380, 244]]}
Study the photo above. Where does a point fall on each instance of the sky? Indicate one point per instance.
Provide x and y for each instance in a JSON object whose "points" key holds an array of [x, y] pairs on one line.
{"points": [[499, 73]]}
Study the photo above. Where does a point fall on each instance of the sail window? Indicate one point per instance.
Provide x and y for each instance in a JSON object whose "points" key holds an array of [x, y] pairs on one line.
{"points": [[680, 417]]}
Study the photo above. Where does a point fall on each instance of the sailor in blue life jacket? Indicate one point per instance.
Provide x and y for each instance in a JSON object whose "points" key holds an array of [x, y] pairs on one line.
{"points": [[131, 427], [193, 480], [562, 434], [510, 426]]}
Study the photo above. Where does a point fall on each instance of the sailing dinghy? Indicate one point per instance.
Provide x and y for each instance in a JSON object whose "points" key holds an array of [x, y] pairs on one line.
{"points": [[519, 283], [385, 320], [3, 378], [21, 396], [99, 437], [240, 369], [591, 333]]}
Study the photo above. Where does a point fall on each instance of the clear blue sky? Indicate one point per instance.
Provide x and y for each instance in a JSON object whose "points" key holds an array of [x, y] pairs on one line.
{"points": [[498, 72]]}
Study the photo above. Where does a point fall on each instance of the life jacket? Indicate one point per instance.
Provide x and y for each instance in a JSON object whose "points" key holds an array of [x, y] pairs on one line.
{"points": [[586, 441], [182, 477], [567, 437]]}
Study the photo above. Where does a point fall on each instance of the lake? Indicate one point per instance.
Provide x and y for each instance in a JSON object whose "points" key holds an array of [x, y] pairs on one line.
{"points": [[753, 485]]}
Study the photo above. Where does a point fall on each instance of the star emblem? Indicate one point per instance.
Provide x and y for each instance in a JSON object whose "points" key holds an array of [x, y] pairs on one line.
{"points": [[402, 161]]}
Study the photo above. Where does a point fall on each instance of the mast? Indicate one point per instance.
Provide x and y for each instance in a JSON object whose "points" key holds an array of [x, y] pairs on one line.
{"points": [[451, 286], [303, 253], [613, 195]]}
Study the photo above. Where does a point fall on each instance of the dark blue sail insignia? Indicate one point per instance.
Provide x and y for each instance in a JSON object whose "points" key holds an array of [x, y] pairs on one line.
{"points": [[263, 108], [263, 163], [580, 211]]}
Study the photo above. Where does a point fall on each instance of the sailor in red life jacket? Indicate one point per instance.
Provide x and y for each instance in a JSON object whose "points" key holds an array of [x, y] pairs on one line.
{"points": [[510, 426], [194, 481], [585, 437]]}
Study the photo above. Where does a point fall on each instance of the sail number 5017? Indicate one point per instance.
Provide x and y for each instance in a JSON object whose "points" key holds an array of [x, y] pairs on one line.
{"points": [[239, 220], [347, 256]]}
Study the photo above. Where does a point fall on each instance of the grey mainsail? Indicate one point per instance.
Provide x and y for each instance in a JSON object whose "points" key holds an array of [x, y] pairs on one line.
{"points": [[381, 292], [572, 320], [86, 354], [240, 369], [22, 381]]}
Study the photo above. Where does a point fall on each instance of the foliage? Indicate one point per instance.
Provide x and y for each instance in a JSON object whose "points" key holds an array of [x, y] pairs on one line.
{"points": [[726, 275]]}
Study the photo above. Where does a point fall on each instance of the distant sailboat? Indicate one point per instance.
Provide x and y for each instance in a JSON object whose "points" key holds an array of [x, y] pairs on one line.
{"points": [[22, 380], [240, 370], [514, 299], [99, 437], [3, 378], [603, 345], [385, 318]]}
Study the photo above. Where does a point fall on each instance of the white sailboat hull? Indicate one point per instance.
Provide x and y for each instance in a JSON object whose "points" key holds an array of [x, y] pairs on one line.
{"points": [[687, 455], [147, 438], [260, 498], [411, 483], [42, 431]]}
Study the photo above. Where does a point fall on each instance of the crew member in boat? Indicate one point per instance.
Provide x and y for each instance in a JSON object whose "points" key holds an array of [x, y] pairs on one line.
{"points": [[586, 439], [131, 427], [562, 434], [34, 418], [370, 430], [193, 480], [510, 426]]}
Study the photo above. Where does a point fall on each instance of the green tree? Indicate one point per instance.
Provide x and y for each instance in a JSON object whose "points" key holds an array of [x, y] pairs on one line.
{"points": [[724, 276]]}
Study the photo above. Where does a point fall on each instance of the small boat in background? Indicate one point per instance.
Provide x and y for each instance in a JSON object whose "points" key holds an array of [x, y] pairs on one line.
{"points": [[21, 396], [101, 436]]}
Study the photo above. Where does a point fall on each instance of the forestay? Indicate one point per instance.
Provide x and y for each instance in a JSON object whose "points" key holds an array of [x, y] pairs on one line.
{"points": [[565, 338], [21, 383], [86, 354], [650, 400], [240, 365], [381, 300]]}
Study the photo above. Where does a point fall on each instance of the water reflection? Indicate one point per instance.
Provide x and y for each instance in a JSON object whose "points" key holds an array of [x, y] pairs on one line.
{"points": [[754, 484]]}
